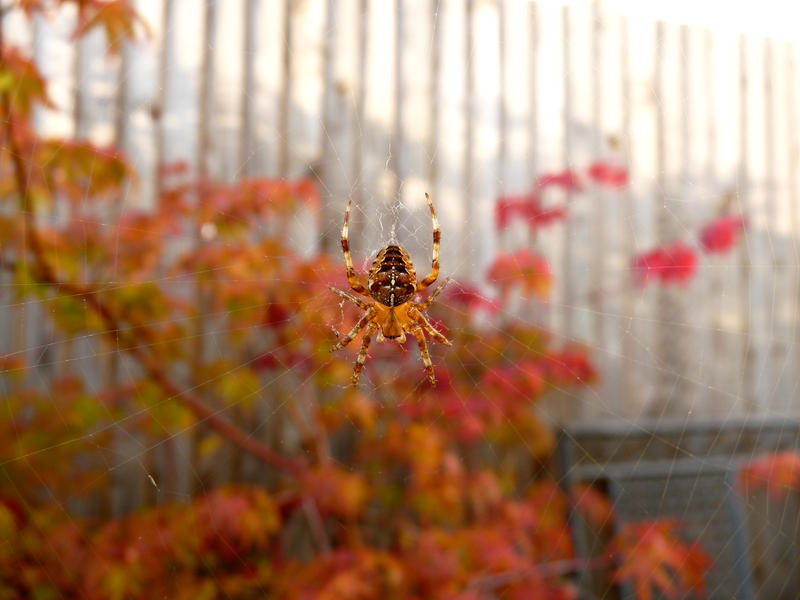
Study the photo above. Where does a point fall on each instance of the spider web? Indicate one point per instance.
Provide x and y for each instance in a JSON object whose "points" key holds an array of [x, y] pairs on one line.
{"points": [[733, 332]]}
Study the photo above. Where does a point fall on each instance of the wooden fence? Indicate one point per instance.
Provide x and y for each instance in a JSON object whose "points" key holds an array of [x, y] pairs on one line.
{"points": [[471, 99]]}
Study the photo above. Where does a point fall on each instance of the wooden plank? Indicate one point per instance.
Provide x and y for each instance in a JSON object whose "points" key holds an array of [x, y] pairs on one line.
{"points": [[451, 137], [567, 301], [516, 154], [246, 103], [598, 199], [725, 306], [359, 97], [784, 242], [374, 215], [481, 236], [220, 139], [164, 58], [670, 383], [747, 364], [631, 384], [502, 100], [533, 90], [304, 131], [286, 89], [468, 221], [184, 56], [792, 152], [416, 39], [269, 88], [773, 351], [758, 238]]}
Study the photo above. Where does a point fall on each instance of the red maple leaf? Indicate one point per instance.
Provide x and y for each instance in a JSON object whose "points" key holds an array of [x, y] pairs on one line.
{"points": [[595, 507], [722, 234], [651, 556], [470, 298], [523, 267], [676, 263], [778, 473], [529, 208], [567, 180], [608, 174]]}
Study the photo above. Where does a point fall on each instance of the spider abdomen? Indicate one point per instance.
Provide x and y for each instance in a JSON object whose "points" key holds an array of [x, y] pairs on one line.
{"points": [[392, 279]]}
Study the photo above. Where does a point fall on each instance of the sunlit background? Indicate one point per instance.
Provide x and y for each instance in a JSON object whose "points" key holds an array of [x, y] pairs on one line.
{"points": [[474, 101]]}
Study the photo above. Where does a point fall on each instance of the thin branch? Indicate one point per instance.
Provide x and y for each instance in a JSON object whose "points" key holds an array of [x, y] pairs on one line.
{"points": [[317, 525], [150, 364], [546, 571]]}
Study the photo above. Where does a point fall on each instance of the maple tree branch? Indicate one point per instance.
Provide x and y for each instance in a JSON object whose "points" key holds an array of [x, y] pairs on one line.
{"points": [[152, 367], [316, 524], [545, 571]]}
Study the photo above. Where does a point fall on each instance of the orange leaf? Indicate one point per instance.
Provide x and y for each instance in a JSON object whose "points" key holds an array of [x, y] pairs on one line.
{"points": [[651, 556], [117, 18], [778, 473]]}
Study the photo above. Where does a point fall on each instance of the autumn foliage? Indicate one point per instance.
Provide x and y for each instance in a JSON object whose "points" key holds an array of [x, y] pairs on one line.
{"points": [[392, 490]]}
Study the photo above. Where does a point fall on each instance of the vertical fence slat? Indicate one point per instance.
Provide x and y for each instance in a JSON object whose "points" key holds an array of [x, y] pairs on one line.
{"points": [[630, 364], [246, 165], [598, 199], [286, 88], [435, 75], [162, 92], [746, 386], [469, 134], [502, 109], [792, 151], [567, 304]]}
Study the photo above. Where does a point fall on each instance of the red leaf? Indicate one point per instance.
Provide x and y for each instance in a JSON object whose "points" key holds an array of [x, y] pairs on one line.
{"points": [[778, 473], [118, 18], [722, 234], [469, 298], [608, 174], [676, 264], [569, 367], [524, 268], [567, 180], [651, 556], [529, 208], [593, 505], [335, 490]]}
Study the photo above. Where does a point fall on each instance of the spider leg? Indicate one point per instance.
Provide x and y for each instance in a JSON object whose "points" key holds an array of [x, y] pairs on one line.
{"points": [[362, 355], [429, 300], [357, 301], [423, 350], [420, 318], [355, 284], [354, 331], [437, 235]]}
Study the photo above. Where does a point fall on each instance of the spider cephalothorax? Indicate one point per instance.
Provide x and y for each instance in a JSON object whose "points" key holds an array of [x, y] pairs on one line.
{"points": [[391, 283]]}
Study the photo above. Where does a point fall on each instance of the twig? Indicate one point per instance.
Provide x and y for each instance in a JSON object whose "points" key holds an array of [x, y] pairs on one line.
{"points": [[151, 365], [545, 571], [317, 525]]}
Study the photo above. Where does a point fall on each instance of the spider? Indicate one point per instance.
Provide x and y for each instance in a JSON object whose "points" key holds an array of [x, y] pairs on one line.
{"points": [[391, 283]]}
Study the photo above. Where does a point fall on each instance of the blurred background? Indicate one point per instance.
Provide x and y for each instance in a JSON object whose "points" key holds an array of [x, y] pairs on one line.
{"points": [[470, 101], [641, 125]]}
